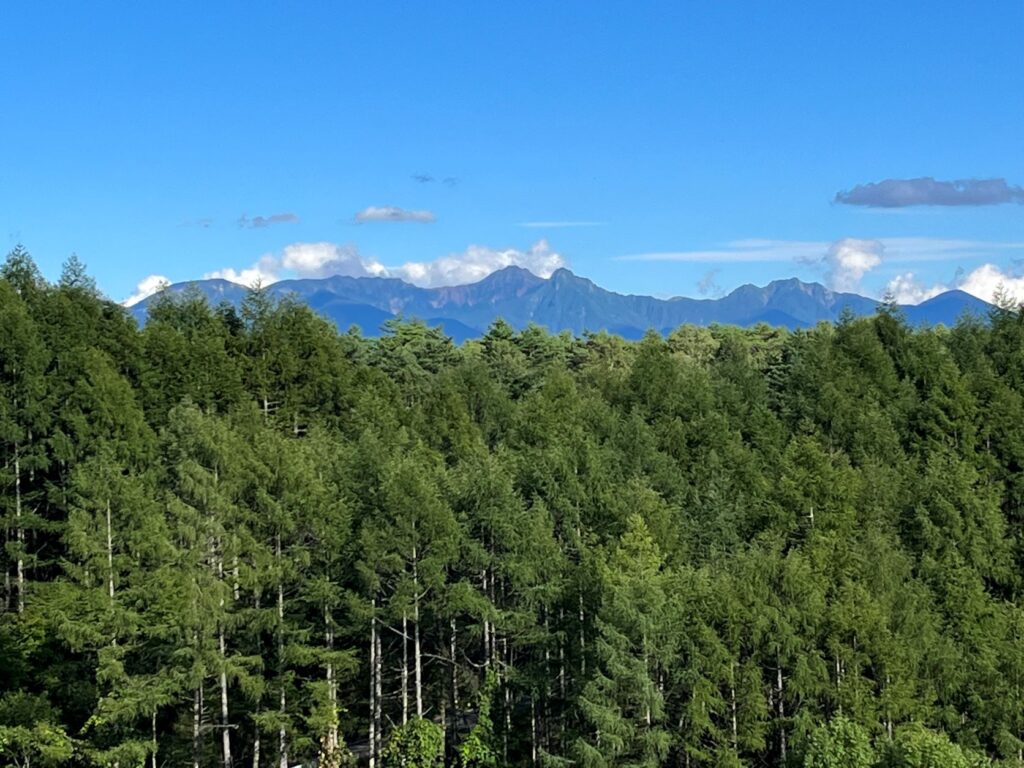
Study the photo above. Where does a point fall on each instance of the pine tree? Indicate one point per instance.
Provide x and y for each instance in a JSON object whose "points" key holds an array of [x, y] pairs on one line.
{"points": [[623, 704]]}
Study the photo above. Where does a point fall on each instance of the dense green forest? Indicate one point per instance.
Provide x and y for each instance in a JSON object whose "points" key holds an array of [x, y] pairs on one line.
{"points": [[242, 538]]}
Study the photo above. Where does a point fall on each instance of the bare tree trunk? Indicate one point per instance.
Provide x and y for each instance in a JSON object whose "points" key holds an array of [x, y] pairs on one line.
{"points": [[416, 621], [455, 672], [256, 739], [781, 709], [405, 669], [282, 734], [331, 745], [7, 572], [197, 713], [225, 730], [20, 530], [732, 702], [533, 727], [583, 639], [487, 628], [153, 744], [373, 684], [508, 695], [225, 735], [379, 706], [110, 555], [839, 685]]}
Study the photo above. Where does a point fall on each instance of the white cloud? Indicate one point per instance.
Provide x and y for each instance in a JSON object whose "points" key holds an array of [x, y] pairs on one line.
{"points": [[146, 287], [896, 250], [393, 213], [326, 259], [987, 279], [907, 289], [477, 262], [983, 282], [263, 272], [848, 260]]}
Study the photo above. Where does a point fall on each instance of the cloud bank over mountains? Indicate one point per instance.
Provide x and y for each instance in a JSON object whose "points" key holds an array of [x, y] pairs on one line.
{"points": [[322, 259], [843, 264]]}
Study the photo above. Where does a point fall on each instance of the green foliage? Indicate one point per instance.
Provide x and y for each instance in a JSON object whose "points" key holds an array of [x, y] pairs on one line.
{"points": [[839, 743], [29, 733], [477, 750], [417, 744], [918, 747]]}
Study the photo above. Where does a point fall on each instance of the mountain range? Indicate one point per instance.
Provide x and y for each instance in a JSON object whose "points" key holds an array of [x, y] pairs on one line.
{"points": [[567, 302]]}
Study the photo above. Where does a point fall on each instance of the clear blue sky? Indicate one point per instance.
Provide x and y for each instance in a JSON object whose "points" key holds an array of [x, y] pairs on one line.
{"points": [[138, 134]]}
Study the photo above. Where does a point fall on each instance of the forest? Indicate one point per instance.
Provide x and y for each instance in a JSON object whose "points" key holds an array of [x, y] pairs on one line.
{"points": [[241, 537]]}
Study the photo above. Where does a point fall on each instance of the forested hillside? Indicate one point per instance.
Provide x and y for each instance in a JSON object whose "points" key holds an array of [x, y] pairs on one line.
{"points": [[242, 538]]}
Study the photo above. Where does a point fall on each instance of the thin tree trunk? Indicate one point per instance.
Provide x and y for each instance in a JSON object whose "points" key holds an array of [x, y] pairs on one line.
{"points": [[545, 702], [487, 628], [583, 639], [561, 672], [888, 712], [153, 744], [416, 621], [332, 691], [455, 673], [225, 736], [533, 727], [405, 669], [225, 730], [256, 739], [197, 709], [20, 530], [839, 686], [508, 695], [7, 572], [282, 734], [373, 685], [732, 701], [780, 704], [379, 706], [110, 555]]}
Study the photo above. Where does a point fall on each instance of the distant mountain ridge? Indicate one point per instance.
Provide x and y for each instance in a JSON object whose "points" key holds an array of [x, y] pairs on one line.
{"points": [[567, 302]]}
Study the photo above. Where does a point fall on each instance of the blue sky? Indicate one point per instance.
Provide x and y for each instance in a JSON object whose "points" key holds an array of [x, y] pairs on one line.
{"points": [[662, 148]]}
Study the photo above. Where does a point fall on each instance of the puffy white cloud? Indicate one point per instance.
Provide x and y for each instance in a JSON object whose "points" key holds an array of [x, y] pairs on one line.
{"points": [[907, 289], [264, 272], [848, 260], [146, 287], [477, 262], [325, 259], [984, 282], [393, 213]]}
